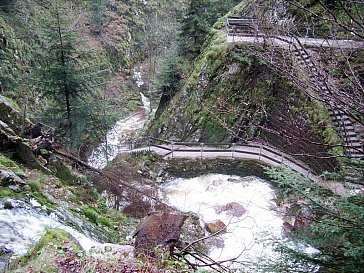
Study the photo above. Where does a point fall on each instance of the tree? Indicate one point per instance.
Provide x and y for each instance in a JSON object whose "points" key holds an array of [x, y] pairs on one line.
{"points": [[98, 8], [333, 224], [199, 17], [195, 26], [70, 81]]}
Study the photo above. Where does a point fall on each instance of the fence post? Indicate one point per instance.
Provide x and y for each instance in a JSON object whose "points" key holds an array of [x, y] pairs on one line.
{"points": [[260, 151], [172, 148], [149, 143], [202, 150], [232, 154], [282, 159]]}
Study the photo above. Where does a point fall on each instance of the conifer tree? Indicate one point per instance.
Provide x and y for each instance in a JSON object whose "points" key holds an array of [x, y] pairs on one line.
{"points": [[194, 27], [70, 81], [98, 8]]}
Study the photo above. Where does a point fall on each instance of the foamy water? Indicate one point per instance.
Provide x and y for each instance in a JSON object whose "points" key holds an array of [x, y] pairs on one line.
{"points": [[250, 238], [117, 137]]}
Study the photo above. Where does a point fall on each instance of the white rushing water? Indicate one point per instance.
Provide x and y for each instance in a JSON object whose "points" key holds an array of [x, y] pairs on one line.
{"points": [[22, 226], [117, 137], [250, 237]]}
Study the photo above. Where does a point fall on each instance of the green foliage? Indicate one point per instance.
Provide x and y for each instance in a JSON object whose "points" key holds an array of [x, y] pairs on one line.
{"points": [[71, 82], [98, 18], [91, 214], [335, 222]]}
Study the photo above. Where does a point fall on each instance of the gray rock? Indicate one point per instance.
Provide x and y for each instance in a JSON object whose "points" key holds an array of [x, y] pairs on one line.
{"points": [[8, 204], [10, 178], [13, 181], [5, 255]]}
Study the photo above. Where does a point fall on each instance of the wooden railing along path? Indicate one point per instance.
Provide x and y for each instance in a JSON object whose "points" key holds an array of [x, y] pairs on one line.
{"points": [[265, 154], [250, 151]]}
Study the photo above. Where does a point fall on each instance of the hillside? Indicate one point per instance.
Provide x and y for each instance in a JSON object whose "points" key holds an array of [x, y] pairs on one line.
{"points": [[253, 125]]}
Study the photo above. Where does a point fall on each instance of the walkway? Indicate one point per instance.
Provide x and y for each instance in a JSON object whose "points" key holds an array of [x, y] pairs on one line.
{"points": [[245, 30], [251, 151], [286, 42]]}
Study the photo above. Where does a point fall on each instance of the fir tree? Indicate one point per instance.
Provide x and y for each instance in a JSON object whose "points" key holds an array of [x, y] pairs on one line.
{"points": [[194, 28], [70, 81]]}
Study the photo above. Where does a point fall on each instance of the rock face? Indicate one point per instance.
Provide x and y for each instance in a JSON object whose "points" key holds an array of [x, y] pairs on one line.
{"points": [[215, 226], [232, 209], [11, 180], [158, 230], [4, 259]]}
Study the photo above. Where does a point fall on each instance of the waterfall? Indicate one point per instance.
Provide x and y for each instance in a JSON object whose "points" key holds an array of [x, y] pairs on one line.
{"points": [[117, 137]]}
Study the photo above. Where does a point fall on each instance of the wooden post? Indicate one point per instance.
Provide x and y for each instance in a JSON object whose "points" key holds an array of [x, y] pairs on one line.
{"points": [[260, 151], [149, 143], [172, 148], [282, 159], [201, 149], [232, 154]]}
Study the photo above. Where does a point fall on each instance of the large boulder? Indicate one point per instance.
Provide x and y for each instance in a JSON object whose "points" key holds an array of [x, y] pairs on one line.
{"points": [[232, 209], [158, 230]]}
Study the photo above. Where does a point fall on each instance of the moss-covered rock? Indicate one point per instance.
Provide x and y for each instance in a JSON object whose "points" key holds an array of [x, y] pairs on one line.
{"points": [[10, 114]]}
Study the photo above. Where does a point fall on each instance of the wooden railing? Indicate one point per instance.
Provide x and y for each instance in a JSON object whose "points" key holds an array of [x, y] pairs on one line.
{"points": [[241, 26], [252, 151]]}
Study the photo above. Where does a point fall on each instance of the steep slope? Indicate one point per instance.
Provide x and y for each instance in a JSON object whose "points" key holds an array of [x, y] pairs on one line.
{"points": [[232, 95]]}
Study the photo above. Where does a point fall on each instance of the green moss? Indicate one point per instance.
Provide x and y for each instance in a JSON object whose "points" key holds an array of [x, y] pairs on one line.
{"points": [[34, 185], [13, 104], [4, 192], [104, 221], [91, 214], [7, 163], [41, 257]]}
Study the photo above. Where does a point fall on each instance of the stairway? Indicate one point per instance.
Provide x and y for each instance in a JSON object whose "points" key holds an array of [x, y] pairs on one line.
{"points": [[342, 122]]}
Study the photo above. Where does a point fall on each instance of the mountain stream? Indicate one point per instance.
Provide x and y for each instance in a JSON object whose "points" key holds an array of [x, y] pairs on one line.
{"points": [[249, 235]]}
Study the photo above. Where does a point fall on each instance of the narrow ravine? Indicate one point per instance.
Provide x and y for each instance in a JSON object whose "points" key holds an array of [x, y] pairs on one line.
{"points": [[116, 140]]}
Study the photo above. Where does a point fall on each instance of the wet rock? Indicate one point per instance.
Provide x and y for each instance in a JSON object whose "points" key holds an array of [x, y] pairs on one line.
{"points": [[232, 209], [12, 181], [215, 242], [192, 231], [215, 226], [4, 259], [8, 204], [158, 229]]}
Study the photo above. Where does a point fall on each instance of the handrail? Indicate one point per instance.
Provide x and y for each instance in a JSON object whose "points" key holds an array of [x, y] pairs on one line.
{"points": [[170, 148], [230, 24]]}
